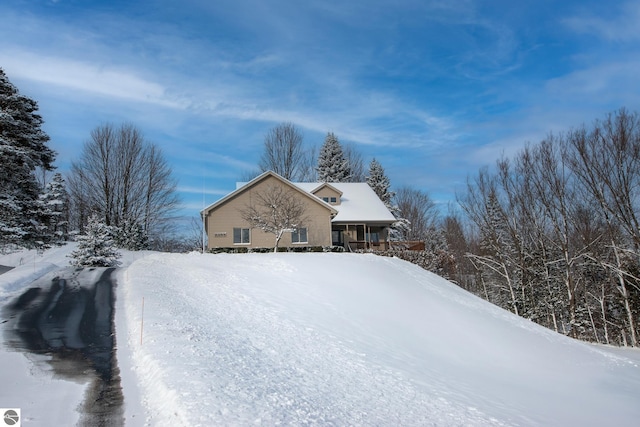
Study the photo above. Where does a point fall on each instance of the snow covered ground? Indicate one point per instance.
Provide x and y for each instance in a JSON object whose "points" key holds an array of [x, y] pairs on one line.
{"points": [[338, 339]]}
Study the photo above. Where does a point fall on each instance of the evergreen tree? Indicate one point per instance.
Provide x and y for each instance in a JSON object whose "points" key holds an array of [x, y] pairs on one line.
{"points": [[131, 236], [53, 213], [96, 247], [332, 164], [22, 149], [380, 183]]}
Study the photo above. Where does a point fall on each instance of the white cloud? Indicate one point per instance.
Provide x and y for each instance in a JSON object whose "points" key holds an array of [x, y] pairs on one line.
{"points": [[79, 76], [196, 190], [623, 27]]}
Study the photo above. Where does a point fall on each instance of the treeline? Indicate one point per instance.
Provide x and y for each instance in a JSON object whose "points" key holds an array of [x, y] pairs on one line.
{"points": [[120, 179], [555, 233]]}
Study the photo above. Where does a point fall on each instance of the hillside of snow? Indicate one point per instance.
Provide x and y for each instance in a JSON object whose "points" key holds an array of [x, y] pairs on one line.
{"points": [[352, 339], [322, 339]]}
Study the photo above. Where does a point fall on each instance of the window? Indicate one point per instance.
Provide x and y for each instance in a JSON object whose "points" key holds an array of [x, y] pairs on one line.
{"points": [[241, 236], [332, 200], [374, 238], [299, 235]]}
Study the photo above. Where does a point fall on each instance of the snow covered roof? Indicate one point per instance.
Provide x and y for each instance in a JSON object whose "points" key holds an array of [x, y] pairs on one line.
{"points": [[358, 202]]}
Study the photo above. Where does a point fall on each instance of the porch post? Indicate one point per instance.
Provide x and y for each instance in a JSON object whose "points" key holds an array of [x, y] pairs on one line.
{"points": [[346, 238], [367, 232]]}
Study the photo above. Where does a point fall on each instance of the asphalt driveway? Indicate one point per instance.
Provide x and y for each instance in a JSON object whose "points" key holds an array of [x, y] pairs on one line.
{"points": [[70, 317]]}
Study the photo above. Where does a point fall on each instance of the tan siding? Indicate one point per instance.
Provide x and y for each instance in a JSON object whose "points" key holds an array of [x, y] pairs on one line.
{"points": [[328, 192], [222, 220]]}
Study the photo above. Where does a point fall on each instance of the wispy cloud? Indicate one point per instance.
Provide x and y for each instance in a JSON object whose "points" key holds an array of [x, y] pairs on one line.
{"points": [[74, 75], [250, 83], [436, 87], [623, 27], [202, 190], [608, 81]]}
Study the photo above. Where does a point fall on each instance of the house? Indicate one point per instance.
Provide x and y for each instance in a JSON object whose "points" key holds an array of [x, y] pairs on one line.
{"points": [[339, 214]]}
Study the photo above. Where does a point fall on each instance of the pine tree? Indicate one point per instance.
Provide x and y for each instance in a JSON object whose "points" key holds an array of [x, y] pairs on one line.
{"points": [[96, 247], [53, 206], [131, 236], [380, 183], [22, 149], [332, 164]]}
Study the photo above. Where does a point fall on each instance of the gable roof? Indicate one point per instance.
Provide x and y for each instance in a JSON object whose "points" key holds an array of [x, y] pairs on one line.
{"points": [[321, 186], [260, 178], [358, 202]]}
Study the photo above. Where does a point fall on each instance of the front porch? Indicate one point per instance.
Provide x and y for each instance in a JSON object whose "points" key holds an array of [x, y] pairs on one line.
{"points": [[360, 236]]}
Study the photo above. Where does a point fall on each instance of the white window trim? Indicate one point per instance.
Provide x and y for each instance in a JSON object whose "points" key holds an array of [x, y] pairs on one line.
{"points": [[300, 243], [242, 243]]}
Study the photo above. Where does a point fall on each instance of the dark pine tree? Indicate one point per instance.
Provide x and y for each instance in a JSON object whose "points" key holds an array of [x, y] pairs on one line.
{"points": [[23, 149], [53, 212], [379, 182]]}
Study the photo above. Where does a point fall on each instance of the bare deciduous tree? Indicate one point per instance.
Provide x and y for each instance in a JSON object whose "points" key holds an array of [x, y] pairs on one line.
{"points": [[275, 210], [122, 177], [356, 163], [283, 152], [307, 170], [559, 231], [607, 161], [417, 207]]}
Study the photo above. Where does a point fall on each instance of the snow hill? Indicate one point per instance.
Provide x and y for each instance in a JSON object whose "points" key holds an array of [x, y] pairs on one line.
{"points": [[343, 339]]}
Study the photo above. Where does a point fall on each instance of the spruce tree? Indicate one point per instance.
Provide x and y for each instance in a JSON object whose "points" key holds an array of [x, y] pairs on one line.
{"points": [[332, 164], [380, 183], [53, 211], [96, 247], [23, 149], [131, 236]]}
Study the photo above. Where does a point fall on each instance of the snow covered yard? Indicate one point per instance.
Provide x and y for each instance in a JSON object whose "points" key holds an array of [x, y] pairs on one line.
{"points": [[338, 339], [352, 340]]}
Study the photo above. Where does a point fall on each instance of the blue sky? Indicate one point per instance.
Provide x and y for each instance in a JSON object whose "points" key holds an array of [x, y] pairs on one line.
{"points": [[433, 89]]}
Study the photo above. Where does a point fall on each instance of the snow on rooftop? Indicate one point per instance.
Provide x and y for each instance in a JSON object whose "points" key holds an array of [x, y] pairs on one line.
{"points": [[357, 203]]}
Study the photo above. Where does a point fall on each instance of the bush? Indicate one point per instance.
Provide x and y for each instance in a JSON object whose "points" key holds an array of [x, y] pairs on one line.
{"points": [[297, 249]]}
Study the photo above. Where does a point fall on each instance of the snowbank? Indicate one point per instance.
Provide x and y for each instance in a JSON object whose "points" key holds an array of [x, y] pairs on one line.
{"points": [[351, 339], [342, 339]]}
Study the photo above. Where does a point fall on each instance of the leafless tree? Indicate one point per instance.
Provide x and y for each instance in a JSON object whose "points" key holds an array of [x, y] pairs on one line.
{"points": [[607, 161], [283, 151], [123, 177], [419, 209], [559, 231], [497, 206], [249, 174], [307, 170], [356, 163], [458, 243], [275, 210]]}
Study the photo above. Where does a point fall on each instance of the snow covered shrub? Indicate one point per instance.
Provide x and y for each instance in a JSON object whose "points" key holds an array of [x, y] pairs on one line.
{"points": [[96, 247], [131, 236]]}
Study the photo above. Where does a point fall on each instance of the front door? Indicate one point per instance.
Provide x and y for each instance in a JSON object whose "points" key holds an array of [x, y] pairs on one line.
{"points": [[336, 238]]}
